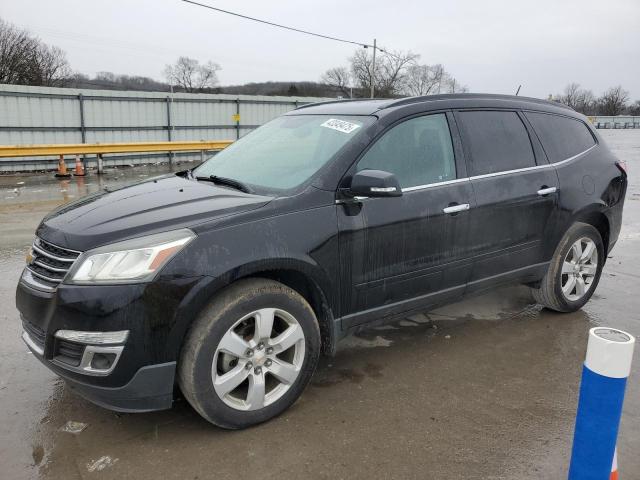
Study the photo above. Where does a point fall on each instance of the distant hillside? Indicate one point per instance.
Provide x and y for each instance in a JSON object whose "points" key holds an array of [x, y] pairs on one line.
{"points": [[292, 89], [110, 81]]}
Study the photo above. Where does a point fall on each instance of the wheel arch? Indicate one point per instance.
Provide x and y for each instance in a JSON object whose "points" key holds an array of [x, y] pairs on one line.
{"points": [[597, 219], [305, 278]]}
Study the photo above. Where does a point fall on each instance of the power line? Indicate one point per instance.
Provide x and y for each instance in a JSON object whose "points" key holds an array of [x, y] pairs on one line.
{"points": [[306, 32], [246, 17]]}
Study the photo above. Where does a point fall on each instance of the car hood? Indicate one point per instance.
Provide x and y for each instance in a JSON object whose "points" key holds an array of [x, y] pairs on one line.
{"points": [[149, 207]]}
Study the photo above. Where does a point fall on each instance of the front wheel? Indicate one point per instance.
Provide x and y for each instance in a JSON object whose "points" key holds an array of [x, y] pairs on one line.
{"points": [[250, 354], [574, 270]]}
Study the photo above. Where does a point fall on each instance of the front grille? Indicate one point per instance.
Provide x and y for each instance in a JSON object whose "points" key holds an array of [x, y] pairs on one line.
{"points": [[50, 263], [36, 333]]}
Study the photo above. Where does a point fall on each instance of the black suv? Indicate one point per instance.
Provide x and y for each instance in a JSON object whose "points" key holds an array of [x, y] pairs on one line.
{"points": [[229, 280]]}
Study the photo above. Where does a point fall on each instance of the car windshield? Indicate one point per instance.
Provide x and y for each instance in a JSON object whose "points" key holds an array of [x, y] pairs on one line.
{"points": [[285, 152]]}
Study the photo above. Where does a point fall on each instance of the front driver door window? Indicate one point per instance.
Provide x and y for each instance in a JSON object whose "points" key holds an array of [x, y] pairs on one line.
{"points": [[417, 152]]}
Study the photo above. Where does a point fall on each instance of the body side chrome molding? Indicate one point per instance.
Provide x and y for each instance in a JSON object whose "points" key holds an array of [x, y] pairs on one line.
{"points": [[436, 184], [498, 174]]}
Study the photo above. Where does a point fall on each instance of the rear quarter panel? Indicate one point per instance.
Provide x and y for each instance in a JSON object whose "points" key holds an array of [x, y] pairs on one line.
{"points": [[590, 183]]}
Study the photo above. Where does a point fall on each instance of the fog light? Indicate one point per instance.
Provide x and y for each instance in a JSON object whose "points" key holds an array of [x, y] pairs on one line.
{"points": [[102, 361], [100, 350]]}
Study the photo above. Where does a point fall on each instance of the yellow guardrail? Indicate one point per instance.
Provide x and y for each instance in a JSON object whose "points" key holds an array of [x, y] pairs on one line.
{"points": [[101, 148]]}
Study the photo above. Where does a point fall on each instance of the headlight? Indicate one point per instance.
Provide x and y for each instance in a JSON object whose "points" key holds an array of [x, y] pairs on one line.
{"points": [[136, 260]]}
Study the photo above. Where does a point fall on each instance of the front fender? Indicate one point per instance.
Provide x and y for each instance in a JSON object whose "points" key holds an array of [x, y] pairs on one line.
{"points": [[303, 242]]}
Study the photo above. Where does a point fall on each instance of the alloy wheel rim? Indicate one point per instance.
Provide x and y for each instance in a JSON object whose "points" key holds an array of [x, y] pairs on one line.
{"points": [[579, 269], [258, 359]]}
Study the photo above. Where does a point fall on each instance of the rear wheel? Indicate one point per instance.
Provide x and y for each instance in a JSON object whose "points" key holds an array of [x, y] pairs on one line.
{"points": [[250, 354], [574, 270]]}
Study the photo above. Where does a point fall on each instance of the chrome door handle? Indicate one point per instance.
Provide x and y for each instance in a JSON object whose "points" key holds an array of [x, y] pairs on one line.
{"points": [[546, 191], [456, 208]]}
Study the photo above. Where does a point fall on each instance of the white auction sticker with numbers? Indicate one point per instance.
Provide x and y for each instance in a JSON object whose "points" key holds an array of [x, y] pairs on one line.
{"points": [[340, 125]]}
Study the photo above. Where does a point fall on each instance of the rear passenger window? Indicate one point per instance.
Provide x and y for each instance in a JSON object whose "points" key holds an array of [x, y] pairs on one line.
{"points": [[496, 141], [561, 137], [417, 151]]}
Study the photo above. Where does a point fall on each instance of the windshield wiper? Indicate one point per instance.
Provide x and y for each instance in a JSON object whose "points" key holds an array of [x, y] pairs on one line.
{"points": [[228, 182]]}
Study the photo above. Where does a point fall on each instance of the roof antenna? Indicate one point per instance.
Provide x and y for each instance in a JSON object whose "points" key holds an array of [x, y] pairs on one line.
{"points": [[518, 91]]}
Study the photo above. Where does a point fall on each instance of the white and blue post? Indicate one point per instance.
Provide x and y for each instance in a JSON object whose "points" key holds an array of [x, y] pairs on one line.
{"points": [[604, 378]]}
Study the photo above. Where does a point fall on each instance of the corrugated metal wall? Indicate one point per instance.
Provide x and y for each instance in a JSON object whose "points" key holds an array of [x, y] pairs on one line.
{"points": [[35, 115]]}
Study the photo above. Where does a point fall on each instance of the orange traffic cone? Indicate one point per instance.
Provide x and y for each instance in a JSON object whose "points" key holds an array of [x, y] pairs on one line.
{"points": [[614, 467], [79, 171], [62, 168]]}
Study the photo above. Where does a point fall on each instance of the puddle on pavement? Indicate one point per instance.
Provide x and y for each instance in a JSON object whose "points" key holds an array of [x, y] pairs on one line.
{"points": [[30, 189]]}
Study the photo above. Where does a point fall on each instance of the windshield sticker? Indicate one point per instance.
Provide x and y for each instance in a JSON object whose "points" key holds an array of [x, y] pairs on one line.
{"points": [[340, 125]]}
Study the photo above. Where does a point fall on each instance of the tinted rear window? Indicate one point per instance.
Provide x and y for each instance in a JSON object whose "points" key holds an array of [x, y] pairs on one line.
{"points": [[561, 137], [496, 142]]}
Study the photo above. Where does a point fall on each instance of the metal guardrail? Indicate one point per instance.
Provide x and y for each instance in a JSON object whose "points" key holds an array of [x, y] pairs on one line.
{"points": [[102, 148], [99, 149]]}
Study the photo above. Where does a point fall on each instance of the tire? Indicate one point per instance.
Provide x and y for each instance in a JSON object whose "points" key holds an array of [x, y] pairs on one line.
{"points": [[230, 323], [550, 293]]}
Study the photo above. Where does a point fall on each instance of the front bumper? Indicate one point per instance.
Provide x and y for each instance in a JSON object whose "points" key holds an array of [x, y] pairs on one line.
{"points": [[151, 387], [143, 375]]}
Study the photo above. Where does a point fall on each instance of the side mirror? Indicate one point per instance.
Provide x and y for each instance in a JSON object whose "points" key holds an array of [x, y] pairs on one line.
{"points": [[375, 183]]}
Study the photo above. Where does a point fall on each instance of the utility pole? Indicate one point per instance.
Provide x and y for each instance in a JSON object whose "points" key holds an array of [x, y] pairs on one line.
{"points": [[373, 69]]}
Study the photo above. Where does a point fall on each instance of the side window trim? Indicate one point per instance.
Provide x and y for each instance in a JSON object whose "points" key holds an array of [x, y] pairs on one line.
{"points": [[455, 143], [458, 146], [595, 138], [539, 153], [467, 144], [536, 167]]}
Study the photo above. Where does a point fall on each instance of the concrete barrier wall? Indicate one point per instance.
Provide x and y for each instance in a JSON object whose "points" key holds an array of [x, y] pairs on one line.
{"points": [[36, 115], [619, 121]]}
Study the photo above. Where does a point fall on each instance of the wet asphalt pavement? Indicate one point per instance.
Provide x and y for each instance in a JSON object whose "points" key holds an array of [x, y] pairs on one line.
{"points": [[483, 389]]}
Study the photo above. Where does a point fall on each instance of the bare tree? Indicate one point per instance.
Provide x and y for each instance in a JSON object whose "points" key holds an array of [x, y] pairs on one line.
{"points": [[16, 48], [634, 109], [579, 99], [190, 75], [586, 103], [338, 78], [393, 69], [51, 68], [390, 70], [26, 60], [571, 94], [451, 85], [423, 79], [613, 101], [396, 74]]}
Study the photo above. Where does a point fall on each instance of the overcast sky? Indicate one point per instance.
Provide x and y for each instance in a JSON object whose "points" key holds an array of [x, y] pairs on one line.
{"points": [[491, 46]]}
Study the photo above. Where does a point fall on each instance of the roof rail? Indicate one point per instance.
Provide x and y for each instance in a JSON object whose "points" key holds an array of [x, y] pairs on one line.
{"points": [[328, 102], [453, 96]]}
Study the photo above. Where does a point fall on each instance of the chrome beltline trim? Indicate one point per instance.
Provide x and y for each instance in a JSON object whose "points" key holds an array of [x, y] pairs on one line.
{"points": [[509, 172], [437, 184], [570, 159], [498, 174]]}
